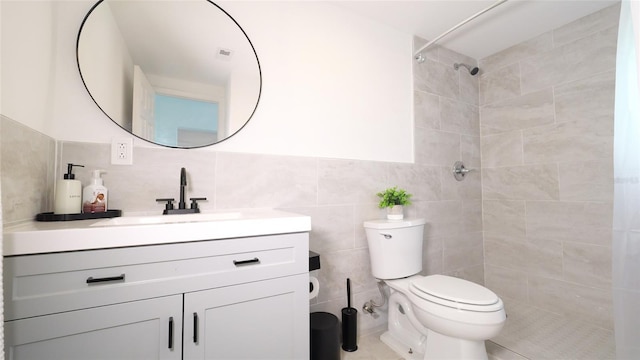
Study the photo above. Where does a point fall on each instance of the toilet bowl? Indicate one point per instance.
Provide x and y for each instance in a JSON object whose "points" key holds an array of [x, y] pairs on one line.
{"points": [[430, 317]]}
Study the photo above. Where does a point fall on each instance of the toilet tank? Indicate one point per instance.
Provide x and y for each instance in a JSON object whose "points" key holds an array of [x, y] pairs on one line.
{"points": [[395, 247]]}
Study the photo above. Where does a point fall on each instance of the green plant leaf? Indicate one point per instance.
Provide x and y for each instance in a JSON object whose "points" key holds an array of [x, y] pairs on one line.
{"points": [[393, 196]]}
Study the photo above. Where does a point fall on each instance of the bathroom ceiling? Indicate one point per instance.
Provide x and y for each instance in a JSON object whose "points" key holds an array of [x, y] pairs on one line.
{"points": [[506, 25]]}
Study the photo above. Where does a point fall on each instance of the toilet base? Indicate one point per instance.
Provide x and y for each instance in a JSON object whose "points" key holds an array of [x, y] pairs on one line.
{"points": [[445, 347], [401, 348], [401, 335]]}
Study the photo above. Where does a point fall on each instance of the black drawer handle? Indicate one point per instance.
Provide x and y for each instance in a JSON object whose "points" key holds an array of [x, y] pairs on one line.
{"points": [[246, 262], [171, 333], [195, 328], [92, 280]]}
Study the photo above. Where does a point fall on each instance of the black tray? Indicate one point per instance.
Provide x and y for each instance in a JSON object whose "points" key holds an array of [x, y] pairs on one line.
{"points": [[49, 216]]}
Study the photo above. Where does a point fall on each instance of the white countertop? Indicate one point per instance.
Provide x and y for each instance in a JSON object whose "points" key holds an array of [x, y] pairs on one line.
{"points": [[35, 237]]}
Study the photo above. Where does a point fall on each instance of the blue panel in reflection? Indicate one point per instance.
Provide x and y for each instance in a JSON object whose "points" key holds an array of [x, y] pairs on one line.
{"points": [[174, 115]]}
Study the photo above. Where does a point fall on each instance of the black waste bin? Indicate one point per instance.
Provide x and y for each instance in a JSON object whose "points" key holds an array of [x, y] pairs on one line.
{"points": [[325, 336]]}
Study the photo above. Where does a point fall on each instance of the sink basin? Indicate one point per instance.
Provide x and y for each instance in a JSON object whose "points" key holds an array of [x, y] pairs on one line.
{"points": [[140, 229], [167, 219]]}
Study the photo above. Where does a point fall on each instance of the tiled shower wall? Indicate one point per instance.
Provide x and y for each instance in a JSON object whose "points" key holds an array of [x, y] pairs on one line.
{"points": [[546, 122], [338, 194]]}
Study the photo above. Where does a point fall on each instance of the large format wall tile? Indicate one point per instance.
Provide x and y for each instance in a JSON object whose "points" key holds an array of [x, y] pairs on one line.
{"points": [[471, 273], [332, 230], [460, 257], [507, 283], [534, 257], [426, 108], [530, 182], [587, 99], [587, 25], [435, 147], [576, 60], [432, 260], [583, 140], [458, 117], [500, 84], [468, 189], [502, 149], [517, 113], [469, 88], [468, 84], [585, 222], [506, 252], [265, 181], [422, 181], [517, 52], [544, 258], [587, 264], [471, 215], [348, 182], [444, 218], [547, 150], [436, 78], [470, 151], [504, 217], [27, 171], [586, 181], [335, 270]]}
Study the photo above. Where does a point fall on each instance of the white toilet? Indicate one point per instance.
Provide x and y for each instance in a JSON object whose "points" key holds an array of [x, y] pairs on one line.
{"points": [[430, 317]]}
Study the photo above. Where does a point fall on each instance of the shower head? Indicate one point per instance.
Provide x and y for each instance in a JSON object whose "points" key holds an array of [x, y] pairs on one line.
{"points": [[472, 71]]}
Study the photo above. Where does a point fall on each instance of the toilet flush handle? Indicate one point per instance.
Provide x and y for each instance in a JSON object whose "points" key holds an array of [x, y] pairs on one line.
{"points": [[387, 236]]}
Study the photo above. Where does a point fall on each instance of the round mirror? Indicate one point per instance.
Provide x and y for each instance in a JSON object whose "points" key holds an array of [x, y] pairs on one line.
{"points": [[175, 73]]}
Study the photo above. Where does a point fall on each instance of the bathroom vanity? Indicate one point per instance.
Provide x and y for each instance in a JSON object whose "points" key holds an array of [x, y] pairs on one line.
{"points": [[164, 290]]}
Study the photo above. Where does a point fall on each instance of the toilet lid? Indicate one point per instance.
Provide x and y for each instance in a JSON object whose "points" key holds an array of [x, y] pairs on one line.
{"points": [[454, 292]]}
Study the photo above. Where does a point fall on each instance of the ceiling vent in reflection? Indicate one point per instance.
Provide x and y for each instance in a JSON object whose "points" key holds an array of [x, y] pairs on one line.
{"points": [[224, 54]]}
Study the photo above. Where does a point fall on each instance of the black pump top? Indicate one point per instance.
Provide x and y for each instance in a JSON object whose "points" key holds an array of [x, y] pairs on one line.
{"points": [[70, 175]]}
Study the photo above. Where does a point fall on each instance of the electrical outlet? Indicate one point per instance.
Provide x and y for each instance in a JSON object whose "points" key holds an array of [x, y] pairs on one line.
{"points": [[122, 151]]}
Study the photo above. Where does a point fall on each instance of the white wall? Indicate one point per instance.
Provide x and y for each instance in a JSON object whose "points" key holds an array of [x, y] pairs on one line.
{"points": [[107, 70], [27, 62], [334, 85]]}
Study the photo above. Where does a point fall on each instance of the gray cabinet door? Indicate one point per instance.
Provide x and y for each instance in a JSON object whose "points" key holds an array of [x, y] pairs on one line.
{"points": [[260, 320], [132, 330]]}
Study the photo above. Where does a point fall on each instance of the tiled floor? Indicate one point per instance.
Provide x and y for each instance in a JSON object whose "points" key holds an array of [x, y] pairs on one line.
{"points": [[371, 348], [537, 335], [529, 334]]}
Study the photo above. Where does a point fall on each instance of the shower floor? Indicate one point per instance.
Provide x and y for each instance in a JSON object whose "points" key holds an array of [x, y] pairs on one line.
{"points": [[536, 334], [529, 334]]}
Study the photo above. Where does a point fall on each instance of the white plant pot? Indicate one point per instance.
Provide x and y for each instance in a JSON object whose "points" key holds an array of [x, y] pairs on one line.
{"points": [[395, 212]]}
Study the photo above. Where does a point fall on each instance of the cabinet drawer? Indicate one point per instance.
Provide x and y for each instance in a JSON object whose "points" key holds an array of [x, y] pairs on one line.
{"points": [[43, 284]]}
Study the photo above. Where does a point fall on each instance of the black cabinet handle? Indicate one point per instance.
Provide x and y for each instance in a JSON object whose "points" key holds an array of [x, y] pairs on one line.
{"points": [[171, 333], [246, 262], [195, 328], [92, 280]]}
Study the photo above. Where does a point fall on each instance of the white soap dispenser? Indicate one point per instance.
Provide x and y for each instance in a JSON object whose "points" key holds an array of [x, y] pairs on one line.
{"points": [[94, 195], [68, 199]]}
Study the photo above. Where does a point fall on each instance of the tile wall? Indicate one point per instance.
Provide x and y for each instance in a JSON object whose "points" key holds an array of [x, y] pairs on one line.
{"points": [[338, 194], [546, 124], [27, 162]]}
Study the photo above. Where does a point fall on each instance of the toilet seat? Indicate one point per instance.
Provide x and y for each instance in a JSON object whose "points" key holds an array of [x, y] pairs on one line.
{"points": [[455, 293]]}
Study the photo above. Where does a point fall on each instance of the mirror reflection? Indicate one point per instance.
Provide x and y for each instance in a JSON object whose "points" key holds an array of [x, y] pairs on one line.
{"points": [[175, 73]]}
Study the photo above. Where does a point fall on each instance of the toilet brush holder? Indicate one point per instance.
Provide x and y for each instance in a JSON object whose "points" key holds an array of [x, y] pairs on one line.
{"points": [[349, 324]]}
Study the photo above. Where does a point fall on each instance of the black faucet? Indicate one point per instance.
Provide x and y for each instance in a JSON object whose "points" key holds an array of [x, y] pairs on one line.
{"points": [[182, 206], [183, 185]]}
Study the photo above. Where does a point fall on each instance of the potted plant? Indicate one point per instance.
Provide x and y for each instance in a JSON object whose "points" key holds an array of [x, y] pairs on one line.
{"points": [[393, 199]]}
